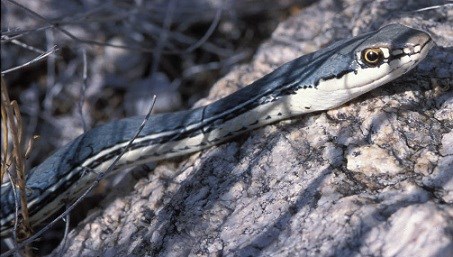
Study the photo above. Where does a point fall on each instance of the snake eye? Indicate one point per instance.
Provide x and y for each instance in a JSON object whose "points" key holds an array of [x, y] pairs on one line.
{"points": [[372, 56]]}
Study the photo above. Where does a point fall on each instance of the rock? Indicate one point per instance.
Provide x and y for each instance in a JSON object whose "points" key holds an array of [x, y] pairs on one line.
{"points": [[373, 177]]}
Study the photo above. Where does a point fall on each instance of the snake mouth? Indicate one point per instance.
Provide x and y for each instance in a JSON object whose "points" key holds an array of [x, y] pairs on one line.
{"points": [[412, 50]]}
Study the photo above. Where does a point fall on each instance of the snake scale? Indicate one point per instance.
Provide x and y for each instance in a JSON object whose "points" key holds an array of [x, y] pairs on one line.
{"points": [[314, 82]]}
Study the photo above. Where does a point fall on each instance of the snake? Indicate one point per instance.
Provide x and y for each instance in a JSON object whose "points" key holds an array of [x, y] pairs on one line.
{"points": [[318, 81]]}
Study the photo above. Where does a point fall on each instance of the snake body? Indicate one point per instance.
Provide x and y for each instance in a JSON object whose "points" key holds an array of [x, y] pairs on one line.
{"points": [[318, 81]]}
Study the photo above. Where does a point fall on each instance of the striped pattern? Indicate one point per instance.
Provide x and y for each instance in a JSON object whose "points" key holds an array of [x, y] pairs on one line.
{"points": [[318, 81]]}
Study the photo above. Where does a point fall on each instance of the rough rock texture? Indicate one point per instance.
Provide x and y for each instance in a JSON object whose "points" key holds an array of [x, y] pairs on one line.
{"points": [[371, 178]]}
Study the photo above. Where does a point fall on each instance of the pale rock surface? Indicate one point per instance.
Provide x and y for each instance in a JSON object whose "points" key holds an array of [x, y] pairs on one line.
{"points": [[371, 178]]}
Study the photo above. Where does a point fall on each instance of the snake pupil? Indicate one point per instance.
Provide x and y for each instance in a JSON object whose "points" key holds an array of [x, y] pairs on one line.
{"points": [[372, 56]]}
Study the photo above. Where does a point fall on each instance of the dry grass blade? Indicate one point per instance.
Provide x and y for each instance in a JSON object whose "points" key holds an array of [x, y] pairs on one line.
{"points": [[26, 46], [14, 155], [37, 59], [434, 7], [6, 156]]}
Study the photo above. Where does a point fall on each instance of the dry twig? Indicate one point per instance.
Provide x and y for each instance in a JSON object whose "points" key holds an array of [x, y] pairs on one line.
{"points": [[14, 157]]}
